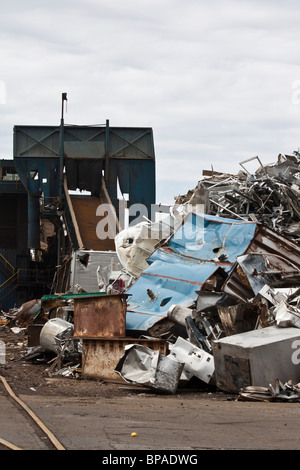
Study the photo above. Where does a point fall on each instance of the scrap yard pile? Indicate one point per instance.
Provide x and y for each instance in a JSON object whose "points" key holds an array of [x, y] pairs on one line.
{"points": [[269, 196], [211, 293]]}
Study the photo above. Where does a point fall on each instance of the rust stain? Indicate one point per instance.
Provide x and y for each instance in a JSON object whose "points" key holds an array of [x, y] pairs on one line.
{"points": [[195, 283]]}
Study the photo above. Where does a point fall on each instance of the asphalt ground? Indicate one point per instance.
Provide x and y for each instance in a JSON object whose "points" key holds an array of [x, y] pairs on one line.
{"points": [[142, 421]]}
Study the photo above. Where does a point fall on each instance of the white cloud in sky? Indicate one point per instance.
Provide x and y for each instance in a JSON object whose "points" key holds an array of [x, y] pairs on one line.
{"points": [[213, 79]]}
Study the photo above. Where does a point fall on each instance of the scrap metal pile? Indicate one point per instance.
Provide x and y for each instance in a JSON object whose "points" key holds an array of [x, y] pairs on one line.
{"points": [[227, 271], [270, 195], [217, 281]]}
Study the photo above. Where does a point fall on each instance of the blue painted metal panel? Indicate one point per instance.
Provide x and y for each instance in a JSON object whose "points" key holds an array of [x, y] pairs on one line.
{"points": [[46, 183], [173, 282], [208, 237], [179, 269], [131, 142], [47, 179], [10, 254], [36, 141], [124, 142], [136, 178]]}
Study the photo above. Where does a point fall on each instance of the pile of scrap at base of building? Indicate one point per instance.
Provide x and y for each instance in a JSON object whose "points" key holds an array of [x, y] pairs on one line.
{"points": [[214, 296]]}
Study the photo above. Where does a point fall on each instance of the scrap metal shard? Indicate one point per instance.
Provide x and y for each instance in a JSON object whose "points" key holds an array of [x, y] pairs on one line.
{"points": [[143, 366], [271, 259]]}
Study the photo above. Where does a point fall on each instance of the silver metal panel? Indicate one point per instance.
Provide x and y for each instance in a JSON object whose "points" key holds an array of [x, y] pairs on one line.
{"points": [[143, 366], [86, 276]]}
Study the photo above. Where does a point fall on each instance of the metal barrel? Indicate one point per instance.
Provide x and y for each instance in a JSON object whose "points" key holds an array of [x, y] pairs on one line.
{"points": [[49, 332]]}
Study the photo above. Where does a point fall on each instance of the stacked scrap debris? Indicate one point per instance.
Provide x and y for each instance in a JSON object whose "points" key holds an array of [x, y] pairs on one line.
{"points": [[215, 287], [218, 277], [270, 195], [278, 391], [214, 278]]}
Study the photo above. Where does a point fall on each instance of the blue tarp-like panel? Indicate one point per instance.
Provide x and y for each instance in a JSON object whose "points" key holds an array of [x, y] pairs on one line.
{"points": [[180, 268]]}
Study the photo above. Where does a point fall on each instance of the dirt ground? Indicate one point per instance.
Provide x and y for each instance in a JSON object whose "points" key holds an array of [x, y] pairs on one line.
{"points": [[31, 376], [100, 415]]}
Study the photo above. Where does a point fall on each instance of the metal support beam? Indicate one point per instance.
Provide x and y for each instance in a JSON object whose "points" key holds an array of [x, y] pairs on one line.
{"points": [[106, 175], [61, 147]]}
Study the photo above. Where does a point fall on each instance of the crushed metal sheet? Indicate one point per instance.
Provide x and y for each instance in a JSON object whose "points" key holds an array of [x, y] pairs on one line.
{"points": [[26, 313], [280, 256], [179, 268], [143, 366], [239, 318], [276, 391], [286, 315], [136, 243]]}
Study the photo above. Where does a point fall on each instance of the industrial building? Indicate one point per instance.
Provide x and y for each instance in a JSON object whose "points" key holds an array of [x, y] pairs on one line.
{"points": [[51, 191]]}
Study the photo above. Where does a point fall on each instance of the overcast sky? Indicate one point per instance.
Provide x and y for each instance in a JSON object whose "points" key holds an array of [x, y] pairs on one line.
{"points": [[218, 81]]}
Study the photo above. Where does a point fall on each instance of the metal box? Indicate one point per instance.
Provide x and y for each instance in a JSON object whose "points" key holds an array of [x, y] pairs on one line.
{"points": [[257, 358], [100, 356], [100, 315]]}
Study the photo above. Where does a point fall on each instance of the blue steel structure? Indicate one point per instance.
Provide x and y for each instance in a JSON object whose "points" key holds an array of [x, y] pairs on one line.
{"points": [[124, 156]]}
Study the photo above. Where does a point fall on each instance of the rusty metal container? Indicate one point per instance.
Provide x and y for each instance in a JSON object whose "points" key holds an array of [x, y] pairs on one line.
{"points": [[100, 356], [98, 316]]}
